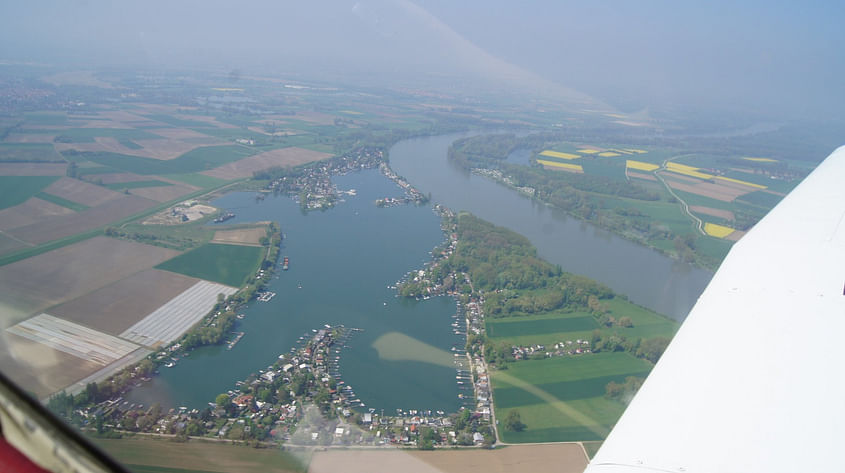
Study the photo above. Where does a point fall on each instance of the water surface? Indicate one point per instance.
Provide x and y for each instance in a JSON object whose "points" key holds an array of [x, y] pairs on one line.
{"points": [[341, 264]]}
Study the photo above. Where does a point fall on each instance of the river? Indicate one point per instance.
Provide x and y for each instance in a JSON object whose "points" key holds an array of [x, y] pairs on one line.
{"points": [[647, 277], [343, 260]]}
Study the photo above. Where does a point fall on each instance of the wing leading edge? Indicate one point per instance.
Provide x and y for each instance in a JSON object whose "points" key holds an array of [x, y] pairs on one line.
{"points": [[753, 380]]}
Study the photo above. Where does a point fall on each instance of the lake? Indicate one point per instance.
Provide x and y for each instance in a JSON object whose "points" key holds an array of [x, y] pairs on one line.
{"points": [[341, 264]]}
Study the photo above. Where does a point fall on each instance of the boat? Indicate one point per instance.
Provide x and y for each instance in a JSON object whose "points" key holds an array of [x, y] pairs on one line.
{"points": [[224, 217], [285, 263]]}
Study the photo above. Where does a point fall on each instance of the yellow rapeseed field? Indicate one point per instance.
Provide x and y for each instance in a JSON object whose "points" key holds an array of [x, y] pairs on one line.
{"points": [[737, 181], [761, 160], [638, 151], [641, 166], [687, 170], [558, 154], [567, 166], [718, 231], [588, 151], [609, 154]]}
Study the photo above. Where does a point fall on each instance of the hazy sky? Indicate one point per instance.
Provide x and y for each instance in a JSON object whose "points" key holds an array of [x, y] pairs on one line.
{"points": [[788, 57]]}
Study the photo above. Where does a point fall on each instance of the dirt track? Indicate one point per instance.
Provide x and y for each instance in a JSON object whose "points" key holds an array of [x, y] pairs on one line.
{"points": [[513, 458]]}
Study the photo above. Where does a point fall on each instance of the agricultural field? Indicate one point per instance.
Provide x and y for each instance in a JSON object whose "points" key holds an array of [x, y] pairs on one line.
{"points": [[33, 169], [33, 210], [196, 160], [44, 370], [565, 458], [82, 192], [283, 157], [15, 190], [163, 456], [544, 329], [241, 236], [116, 307], [558, 166], [551, 328], [163, 193], [565, 395], [562, 399], [67, 225], [227, 264], [730, 193], [137, 184], [29, 152], [61, 201], [37, 283]]}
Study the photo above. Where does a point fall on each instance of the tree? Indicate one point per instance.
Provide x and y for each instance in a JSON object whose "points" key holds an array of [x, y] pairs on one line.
{"points": [[652, 348], [513, 421], [222, 400]]}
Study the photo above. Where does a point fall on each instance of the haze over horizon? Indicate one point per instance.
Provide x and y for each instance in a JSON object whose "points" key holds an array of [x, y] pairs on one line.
{"points": [[764, 58]]}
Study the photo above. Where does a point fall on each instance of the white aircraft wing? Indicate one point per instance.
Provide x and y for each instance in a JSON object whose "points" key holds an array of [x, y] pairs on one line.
{"points": [[754, 380]]}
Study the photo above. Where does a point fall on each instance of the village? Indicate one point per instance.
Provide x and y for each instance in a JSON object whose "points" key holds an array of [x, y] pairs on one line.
{"points": [[298, 401], [313, 189], [412, 195]]}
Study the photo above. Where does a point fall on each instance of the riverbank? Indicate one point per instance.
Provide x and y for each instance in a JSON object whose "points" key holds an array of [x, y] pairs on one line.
{"points": [[665, 285]]}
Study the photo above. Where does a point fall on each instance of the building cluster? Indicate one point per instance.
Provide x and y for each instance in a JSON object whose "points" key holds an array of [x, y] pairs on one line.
{"points": [[412, 195], [497, 175], [313, 188], [564, 348]]}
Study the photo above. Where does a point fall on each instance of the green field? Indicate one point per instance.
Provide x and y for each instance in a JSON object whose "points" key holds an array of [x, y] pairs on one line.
{"points": [[543, 329], [761, 198], [196, 160], [29, 152], [137, 184], [46, 118], [613, 168], [179, 122], [181, 237], [163, 456], [562, 399], [15, 190], [226, 264], [87, 135], [69, 204], [548, 329]]}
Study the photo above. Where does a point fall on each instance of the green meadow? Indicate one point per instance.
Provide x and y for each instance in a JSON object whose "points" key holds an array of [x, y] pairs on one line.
{"points": [[227, 264], [562, 399], [16, 190]]}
